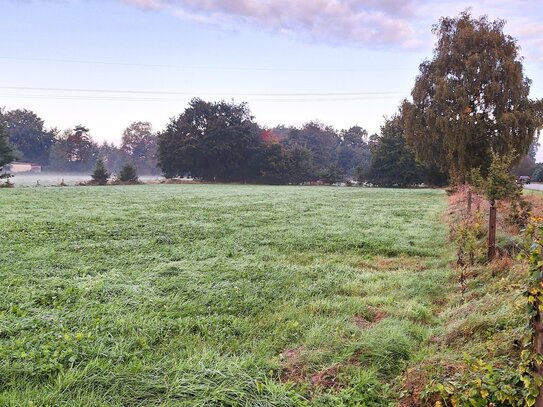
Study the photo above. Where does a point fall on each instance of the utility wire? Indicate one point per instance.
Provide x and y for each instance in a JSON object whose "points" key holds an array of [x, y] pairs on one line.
{"points": [[149, 99], [146, 92]]}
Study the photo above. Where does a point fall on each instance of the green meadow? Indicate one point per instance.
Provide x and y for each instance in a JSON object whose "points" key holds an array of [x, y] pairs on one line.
{"points": [[217, 295]]}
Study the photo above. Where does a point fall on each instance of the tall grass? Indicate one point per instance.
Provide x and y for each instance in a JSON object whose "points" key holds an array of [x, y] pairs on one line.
{"points": [[201, 295]]}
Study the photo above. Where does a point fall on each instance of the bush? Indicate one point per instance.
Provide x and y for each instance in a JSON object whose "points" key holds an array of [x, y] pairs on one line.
{"points": [[128, 174], [332, 175], [100, 175]]}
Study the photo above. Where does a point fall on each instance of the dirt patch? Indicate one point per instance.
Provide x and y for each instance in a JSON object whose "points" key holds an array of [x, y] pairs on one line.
{"points": [[500, 265], [327, 379], [377, 315], [415, 380], [294, 369], [537, 203], [393, 264]]}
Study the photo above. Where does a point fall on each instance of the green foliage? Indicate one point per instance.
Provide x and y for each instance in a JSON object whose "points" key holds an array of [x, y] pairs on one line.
{"points": [[128, 174], [221, 142], [483, 384], [100, 175], [194, 294], [471, 98], [26, 133], [332, 175], [353, 150], [520, 209], [214, 141], [360, 174], [500, 364], [74, 151], [139, 146], [534, 294], [393, 164], [286, 164], [323, 143], [499, 183], [469, 236], [6, 151]]}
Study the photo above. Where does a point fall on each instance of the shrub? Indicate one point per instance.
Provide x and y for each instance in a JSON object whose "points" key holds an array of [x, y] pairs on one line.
{"points": [[332, 175], [100, 175], [128, 174]]}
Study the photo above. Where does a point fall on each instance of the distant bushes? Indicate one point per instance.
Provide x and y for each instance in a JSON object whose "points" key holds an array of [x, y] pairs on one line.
{"points": [[128, 175]]}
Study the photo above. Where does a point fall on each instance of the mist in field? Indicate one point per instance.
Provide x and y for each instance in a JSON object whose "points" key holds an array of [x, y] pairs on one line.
{"points": [[48, 179]]}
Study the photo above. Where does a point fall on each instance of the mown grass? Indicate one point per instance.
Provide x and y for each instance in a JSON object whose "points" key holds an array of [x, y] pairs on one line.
{"points": [[216, 295]]}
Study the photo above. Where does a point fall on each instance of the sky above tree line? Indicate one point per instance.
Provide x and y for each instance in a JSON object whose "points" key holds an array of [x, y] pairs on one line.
{"points": [[107, 63]]}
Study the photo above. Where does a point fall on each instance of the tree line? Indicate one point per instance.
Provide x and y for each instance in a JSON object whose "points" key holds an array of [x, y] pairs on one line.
{"points": [[73, 150], [221, 142], [469, 102]]}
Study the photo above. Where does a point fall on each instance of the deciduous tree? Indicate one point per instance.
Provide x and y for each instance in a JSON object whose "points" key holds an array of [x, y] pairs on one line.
{"points": [[353, 150], [74, 151], [321, 140], [6, 151], [470, 99], [393, 164], [139, 144], [27, 134], [215, 141]]}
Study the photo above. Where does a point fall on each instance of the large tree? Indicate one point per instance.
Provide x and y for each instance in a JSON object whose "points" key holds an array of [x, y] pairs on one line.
{"points": [[471, 99], [392, 163], [6, 152], [74, 151], [112, 156], [321, 140], [215, 141], [282, 164], [353, 150], [139, 144], [28, 136]]}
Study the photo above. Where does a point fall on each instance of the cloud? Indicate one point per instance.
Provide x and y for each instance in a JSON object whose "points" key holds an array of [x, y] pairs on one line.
{"points": [[364, 23], [374, 24]]}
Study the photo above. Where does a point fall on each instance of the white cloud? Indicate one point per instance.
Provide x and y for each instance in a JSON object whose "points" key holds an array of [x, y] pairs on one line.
{"points": [[375, 24], [367, 23]]}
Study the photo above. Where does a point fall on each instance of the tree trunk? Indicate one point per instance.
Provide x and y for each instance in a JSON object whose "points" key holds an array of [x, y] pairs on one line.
{"points": [[492, 231], [538, 327]]}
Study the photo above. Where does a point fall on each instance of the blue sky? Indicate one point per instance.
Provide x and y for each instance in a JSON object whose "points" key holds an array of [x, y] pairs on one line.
{"points": [[107, 63]]}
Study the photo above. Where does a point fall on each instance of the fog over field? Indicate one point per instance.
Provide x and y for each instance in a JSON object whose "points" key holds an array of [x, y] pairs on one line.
{"points": [[48, 179]]}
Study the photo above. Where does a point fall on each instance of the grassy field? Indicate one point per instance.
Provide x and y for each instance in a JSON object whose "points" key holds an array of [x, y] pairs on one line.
{"points": [[216, 295]]}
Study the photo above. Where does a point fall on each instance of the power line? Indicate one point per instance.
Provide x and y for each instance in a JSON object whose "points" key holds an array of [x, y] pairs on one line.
{"points": [[146, 92], [148, 99]]}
